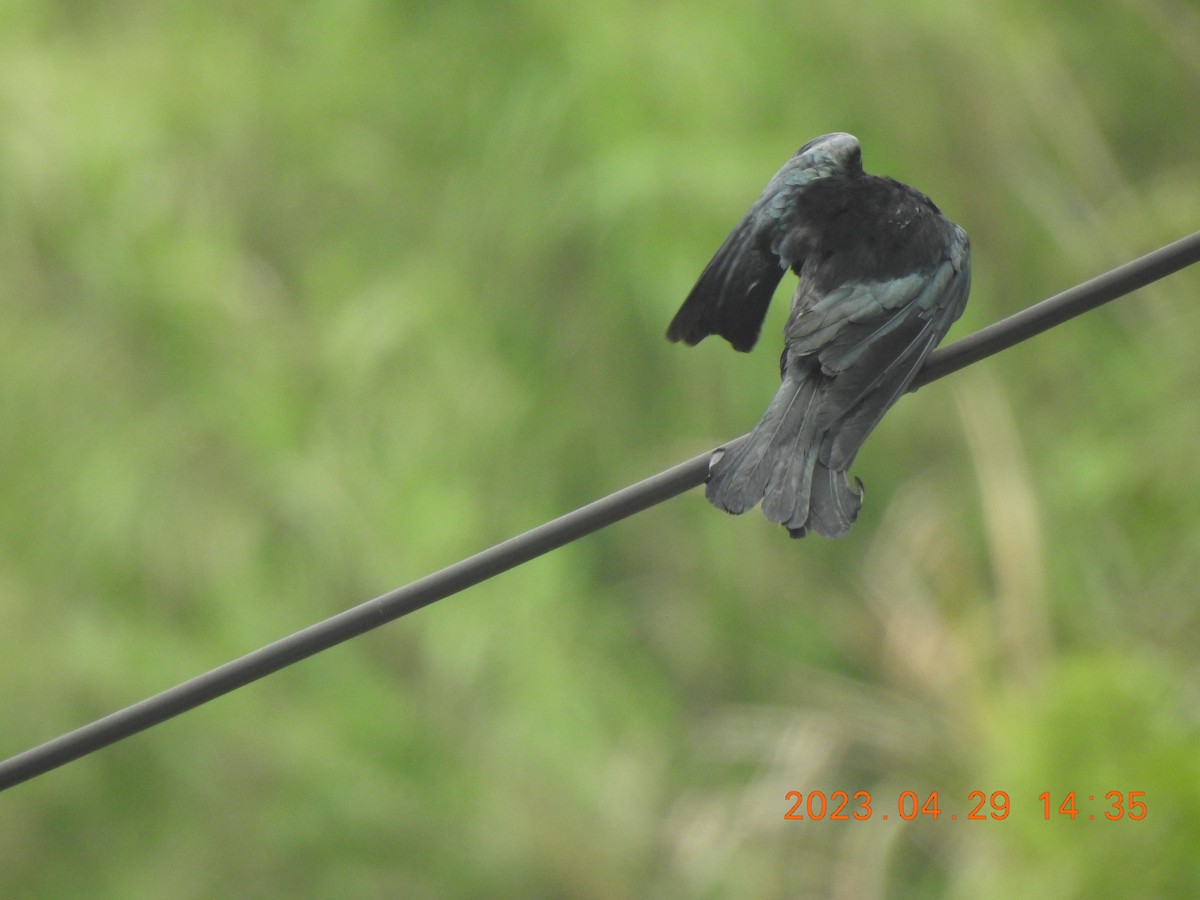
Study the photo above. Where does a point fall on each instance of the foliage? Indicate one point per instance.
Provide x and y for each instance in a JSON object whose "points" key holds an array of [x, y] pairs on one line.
{"points": [[304, 301]]}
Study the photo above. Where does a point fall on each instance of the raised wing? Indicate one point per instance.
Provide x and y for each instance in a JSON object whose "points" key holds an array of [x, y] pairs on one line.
{"points": [[733, 292]]}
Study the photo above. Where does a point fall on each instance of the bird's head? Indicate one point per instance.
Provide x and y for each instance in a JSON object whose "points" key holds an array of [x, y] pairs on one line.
{"points": [[832, 152]]}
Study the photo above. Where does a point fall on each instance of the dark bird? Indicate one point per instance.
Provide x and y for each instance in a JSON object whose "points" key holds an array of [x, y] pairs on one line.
{"points": [[883, 275]]}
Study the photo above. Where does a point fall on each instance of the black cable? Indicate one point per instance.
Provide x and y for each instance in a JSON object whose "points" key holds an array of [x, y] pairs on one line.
{"points": [[1059, 308], [553, 534]]}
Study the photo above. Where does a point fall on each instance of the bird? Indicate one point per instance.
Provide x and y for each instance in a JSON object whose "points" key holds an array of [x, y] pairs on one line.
{"points": [[882, 275]]}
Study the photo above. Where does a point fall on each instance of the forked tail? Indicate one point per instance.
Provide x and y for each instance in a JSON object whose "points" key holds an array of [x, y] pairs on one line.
{"points": [[780, 464]]}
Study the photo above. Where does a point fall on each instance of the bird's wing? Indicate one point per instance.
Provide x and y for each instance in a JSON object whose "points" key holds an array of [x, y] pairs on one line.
{"points": [[870, 339], [733, 292]]}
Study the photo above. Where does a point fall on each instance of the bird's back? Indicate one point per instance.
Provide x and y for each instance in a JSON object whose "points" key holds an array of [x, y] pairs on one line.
{"points": [[867, 228]]}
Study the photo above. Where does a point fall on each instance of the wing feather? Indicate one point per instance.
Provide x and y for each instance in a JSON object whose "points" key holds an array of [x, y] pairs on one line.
{"points": [[870, 342], [733, 292]]}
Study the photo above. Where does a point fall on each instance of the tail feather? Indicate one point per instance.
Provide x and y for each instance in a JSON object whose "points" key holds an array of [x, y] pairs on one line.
{"points": [[779, 464], [834, 505], [786, 496]]}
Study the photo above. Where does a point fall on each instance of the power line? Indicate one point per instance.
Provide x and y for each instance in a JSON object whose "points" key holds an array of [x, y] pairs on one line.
{"points": [[1070, 303], [554, 534]]}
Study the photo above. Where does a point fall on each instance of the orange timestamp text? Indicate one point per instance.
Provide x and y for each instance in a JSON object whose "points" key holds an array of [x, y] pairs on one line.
{"points": [[980, 806]]}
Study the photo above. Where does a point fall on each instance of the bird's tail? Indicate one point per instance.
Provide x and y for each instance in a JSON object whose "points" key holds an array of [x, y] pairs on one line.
{"points": [[780, 464]]}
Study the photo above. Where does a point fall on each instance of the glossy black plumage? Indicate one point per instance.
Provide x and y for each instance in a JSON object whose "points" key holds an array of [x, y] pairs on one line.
{"points": [[883, 274]]}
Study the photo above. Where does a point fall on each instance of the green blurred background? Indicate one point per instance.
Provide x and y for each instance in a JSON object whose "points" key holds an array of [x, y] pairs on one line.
{"points": [[303, 301]]}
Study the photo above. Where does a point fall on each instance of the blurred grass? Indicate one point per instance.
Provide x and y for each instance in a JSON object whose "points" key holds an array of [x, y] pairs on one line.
{"points": [[305, 301]]}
